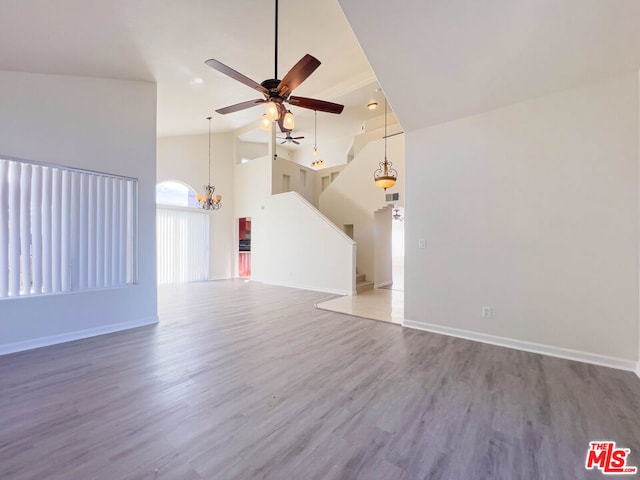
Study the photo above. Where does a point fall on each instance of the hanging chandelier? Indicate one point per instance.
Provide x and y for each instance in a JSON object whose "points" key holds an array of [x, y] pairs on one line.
{"points": [[385, 175], [209, 201]]}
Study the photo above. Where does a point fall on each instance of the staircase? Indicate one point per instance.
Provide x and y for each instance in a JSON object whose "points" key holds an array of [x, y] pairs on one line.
{"points": [[362, 284]]}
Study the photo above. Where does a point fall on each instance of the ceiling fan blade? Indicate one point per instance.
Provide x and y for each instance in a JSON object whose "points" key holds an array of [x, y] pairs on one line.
{"points": [[298, 74], [240, 106], [297, 143], [230, 72], [297, 138], [282, 143], [313, 104]]}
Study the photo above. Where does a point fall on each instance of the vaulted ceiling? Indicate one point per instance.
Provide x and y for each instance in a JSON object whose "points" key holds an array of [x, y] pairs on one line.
{"points": [[439, 60], [168, 42]]}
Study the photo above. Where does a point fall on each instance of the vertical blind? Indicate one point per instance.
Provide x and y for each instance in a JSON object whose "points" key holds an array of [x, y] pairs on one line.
{"points": [[183, 245], [64, 230]]}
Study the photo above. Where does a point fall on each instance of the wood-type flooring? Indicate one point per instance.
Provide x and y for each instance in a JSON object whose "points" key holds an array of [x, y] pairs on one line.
{"points": [[244, 381]]}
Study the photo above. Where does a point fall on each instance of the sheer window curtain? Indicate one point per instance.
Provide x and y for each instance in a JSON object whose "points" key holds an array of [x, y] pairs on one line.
{"points": [[182, 245]]}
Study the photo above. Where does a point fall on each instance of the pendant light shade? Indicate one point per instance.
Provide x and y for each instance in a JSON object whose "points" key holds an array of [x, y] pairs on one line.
{"points": [[273, 114], [265, 123], [385, 175], [288, 120]]}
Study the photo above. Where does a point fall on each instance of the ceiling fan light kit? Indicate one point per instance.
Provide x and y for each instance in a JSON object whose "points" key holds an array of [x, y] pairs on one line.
{"points": [[278, 92]]}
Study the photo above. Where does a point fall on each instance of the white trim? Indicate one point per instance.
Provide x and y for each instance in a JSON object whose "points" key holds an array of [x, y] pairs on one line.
{"points": [[638, 369], [566, 353], [307, 287], [77, 335], [382, 284]]}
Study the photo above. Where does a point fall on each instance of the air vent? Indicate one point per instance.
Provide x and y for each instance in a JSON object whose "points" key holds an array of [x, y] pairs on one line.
{"points": [[393, 197]]}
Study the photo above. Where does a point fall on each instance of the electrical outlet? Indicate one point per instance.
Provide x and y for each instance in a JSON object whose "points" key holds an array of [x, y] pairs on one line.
{"points": [[422, 243], [487, 312]]}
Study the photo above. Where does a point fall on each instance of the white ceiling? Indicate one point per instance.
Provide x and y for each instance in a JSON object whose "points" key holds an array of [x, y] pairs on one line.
{"points": [[439, 60], [168, 41]]}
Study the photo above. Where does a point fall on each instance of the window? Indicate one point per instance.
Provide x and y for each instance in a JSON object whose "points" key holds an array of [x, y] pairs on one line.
{"points": [[64, 230], [176, 194]]}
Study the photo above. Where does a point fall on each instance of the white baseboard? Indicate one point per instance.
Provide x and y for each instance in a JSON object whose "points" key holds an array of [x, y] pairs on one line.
{"points": [[566, 353], [638, 369], [382, 284], [77, 335], [307, 287]]}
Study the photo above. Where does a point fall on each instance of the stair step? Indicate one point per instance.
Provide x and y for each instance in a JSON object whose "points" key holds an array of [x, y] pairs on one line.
{"points": [[360, 277], [364, 286]]}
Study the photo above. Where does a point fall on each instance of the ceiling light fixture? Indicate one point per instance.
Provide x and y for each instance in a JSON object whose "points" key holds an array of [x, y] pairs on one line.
{"points": [[317, 164], [273, 113], [209, 201], [288, 122], [315, 132], [385, 176], [278, 92], [372, 105], [265, 123]]}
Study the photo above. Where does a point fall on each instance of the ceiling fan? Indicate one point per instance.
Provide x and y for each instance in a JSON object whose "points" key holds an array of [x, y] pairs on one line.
{"points": [[278, 92], [290, 139]]}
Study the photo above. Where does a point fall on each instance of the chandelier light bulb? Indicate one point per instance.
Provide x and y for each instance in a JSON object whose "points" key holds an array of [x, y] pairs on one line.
{"points": [[315, 150]]}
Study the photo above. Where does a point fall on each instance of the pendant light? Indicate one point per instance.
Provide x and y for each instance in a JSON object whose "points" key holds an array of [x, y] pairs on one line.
{"points": [[315, 132], [209, 201], [385, 176]]}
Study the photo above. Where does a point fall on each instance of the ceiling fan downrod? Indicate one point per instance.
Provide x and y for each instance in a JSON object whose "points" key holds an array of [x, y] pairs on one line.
{"points": [[275, 67]]}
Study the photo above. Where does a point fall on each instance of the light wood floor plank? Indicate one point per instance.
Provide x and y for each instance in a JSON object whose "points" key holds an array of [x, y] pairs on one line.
{"points": [[248, 381]]}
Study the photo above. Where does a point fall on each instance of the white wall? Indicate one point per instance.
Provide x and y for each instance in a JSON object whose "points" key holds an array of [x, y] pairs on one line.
{"points": [[96, 124], [531, 209], [383, 271], [353, 197], [286, 167], [250, 150], [186, 159], [252, 185], [293, 244]]}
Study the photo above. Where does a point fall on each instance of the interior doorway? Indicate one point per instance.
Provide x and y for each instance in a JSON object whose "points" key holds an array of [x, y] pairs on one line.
{"points": [[244, 247]]}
